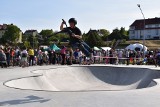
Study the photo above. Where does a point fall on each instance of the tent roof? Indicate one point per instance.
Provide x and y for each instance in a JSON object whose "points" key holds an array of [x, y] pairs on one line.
{"points": [[106, 48], [133, 46], [54, 47], [96, 48]]}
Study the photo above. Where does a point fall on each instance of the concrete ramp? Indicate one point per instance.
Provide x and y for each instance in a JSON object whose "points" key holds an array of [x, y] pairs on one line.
{"points": [[88, 78]]}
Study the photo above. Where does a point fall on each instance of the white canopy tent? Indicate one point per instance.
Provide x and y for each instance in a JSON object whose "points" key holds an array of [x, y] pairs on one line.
{"points": [[106, 48], [134, 46], [96, 48]]}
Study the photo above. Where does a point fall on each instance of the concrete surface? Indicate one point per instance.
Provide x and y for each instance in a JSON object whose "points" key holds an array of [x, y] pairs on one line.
{"points": [[133, 81], [87, 79]]}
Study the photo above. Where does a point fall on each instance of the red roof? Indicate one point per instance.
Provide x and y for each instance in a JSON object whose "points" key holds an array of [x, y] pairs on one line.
{"points": [[139, 24]]}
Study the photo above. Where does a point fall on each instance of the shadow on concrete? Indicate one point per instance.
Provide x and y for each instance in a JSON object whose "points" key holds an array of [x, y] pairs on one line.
{"points": [[25, 100]]}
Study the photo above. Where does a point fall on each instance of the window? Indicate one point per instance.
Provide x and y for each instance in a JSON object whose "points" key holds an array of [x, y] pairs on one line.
{"points": [[157, 32], [132, 32], [149, 36], [149, 26], [149, 31], [157, 25]]}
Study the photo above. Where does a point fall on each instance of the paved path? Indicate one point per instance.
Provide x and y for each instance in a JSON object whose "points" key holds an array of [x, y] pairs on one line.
{"points": [[148, 97]]}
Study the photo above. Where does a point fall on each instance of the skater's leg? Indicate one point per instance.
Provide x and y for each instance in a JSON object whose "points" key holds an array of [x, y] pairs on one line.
{"points": [[85, 50]]}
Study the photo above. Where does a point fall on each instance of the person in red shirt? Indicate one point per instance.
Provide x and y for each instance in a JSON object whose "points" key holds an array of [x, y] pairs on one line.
{"points": [[63, 55]]}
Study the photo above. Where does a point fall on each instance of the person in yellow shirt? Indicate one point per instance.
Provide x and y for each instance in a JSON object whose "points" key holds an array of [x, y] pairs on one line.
{"points": [[31, 56]]}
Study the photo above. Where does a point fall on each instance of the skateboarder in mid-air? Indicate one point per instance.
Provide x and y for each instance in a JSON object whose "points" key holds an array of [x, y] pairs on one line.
{"points": [[75, 37]]}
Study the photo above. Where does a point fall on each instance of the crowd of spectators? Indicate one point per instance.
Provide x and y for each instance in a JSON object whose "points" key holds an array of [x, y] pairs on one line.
{"points": [[122, 56], [30, 57]]}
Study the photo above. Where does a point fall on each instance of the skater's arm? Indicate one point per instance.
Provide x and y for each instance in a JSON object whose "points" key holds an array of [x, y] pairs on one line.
{"points": [[61, 27], [77, 36]]}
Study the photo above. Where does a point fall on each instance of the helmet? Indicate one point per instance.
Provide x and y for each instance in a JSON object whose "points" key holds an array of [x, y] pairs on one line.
{"points": [[72, 20]]}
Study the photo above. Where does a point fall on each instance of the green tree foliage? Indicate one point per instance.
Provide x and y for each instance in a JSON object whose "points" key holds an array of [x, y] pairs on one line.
{"points": [[61, 36], [33, 41], [124, 33], [27, 44], [46, 33], [119, 34], [105, 34], [113, 43], [49, 37], [115, 35], [84, 36], [94, 39], [11, 35]]}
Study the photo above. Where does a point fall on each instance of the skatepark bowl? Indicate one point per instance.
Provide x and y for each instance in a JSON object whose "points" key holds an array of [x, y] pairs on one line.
{"points": [[87, 78]]}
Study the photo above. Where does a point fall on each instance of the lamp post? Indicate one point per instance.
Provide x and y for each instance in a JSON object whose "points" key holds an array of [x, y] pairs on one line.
{"points": [[143, 29]]}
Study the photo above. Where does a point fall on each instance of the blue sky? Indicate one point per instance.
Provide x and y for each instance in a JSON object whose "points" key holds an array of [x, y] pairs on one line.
{"points": [[94, 14]]}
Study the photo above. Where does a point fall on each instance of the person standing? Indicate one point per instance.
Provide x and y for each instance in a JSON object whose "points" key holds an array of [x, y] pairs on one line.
{"points": [[40, 57], [3, 58], [24, 56], [63, 55], [107, 56], [157, 58], [111, 56], [128, 56], [120, 56], [31, 56], [8, 56], [80, 54]]}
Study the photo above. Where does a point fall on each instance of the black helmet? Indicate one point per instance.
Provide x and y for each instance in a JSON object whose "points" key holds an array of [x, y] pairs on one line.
{"points": [[72, 20]]}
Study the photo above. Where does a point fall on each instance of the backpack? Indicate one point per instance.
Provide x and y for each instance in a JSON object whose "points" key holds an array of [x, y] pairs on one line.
{"points": [[158, 57], [24, 55]]}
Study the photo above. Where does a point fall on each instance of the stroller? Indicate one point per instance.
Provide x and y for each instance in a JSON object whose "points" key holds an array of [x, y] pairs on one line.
{"points": [[3, 62]]}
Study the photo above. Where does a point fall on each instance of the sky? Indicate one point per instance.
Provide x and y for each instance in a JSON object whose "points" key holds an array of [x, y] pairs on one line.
{"points": [[90, 14]]}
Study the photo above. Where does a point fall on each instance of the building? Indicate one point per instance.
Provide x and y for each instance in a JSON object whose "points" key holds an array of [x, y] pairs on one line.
{"points": [[3, 28], [91, 32], [31, 32], [152, 29], [19, 40]]}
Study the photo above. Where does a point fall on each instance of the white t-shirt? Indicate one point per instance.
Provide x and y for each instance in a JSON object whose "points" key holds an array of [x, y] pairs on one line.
{"points": [[127, 54], [80, 54], [120, 54], [25, 52]]}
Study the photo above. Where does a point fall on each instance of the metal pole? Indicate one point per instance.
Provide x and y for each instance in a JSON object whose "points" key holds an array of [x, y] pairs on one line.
{"points": [[143, 29]]}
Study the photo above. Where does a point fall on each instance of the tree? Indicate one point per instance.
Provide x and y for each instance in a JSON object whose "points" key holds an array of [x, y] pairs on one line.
{"points": [[33, 41], [84, 36], [105, 34], [61, 36], [46, 33], [27, 44], [11, 35], [124, 33], [94, 39], [118, 34], [49, 37]]}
